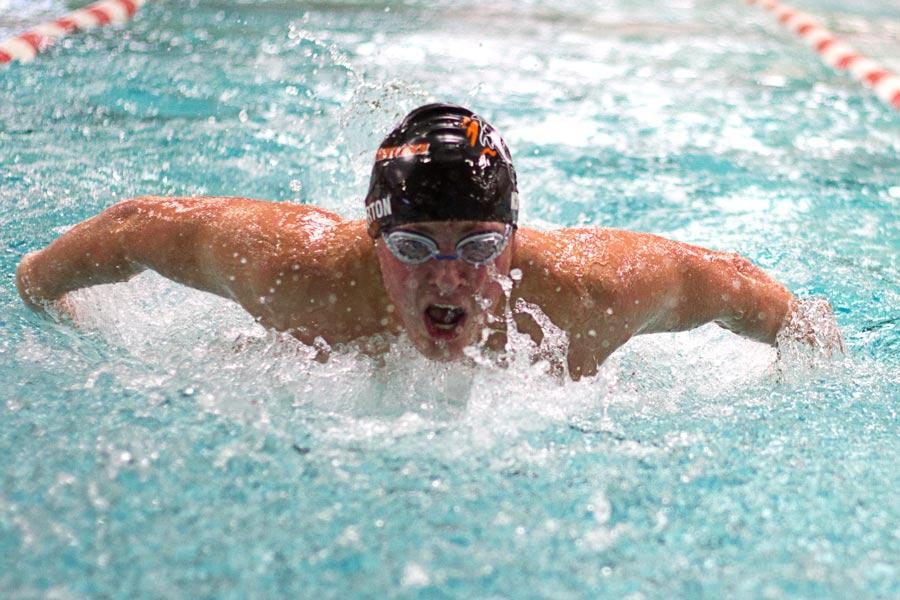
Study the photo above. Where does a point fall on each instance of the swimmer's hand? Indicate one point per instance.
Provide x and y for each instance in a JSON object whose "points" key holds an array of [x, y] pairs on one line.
{"points": [[26, 286], [809, 331], [89, 253], [61, 308]]}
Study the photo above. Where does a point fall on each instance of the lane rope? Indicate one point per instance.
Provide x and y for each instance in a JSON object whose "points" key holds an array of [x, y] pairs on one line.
{"points": [[836, 53], [26, 46]]}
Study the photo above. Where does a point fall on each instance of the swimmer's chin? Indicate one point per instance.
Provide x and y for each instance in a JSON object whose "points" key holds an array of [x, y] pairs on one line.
{"points": [[444, 351], [439, 352]]}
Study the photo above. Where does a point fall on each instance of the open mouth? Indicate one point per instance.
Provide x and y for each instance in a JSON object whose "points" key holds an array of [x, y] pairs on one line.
{"points": [[444, 321]]}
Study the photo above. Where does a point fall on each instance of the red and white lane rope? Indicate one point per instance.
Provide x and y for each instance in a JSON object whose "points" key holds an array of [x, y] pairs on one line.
{"points": [[835, 52], [24, 47]]}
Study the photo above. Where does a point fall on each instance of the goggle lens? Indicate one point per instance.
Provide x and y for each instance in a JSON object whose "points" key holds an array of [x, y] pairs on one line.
{"points": [[410, 249], [481, 248]]}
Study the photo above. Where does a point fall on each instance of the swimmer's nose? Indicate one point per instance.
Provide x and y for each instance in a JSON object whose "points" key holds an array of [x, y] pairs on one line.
{"points": [[447, 275]]}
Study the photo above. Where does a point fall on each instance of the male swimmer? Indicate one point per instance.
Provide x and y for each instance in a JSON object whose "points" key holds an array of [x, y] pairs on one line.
{"points": [[439, 258]]}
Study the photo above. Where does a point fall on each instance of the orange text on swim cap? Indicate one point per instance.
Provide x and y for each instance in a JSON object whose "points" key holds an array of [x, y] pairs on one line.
{"points": [[476, 134], [399, 151], [472, 128]]}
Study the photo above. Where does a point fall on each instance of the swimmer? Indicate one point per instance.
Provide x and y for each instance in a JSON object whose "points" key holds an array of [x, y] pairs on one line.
{"points": [[439, 257]]}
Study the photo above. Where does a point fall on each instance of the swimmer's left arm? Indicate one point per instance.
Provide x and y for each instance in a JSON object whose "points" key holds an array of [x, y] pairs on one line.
{"points": [[604, 286], [725, 288]]}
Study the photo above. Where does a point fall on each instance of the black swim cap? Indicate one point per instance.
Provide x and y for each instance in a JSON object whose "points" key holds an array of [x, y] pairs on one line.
{"points": [[441, 163]]}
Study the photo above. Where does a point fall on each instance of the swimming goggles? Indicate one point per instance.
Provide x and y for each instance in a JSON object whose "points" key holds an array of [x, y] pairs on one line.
{"points": [[476, 249]]}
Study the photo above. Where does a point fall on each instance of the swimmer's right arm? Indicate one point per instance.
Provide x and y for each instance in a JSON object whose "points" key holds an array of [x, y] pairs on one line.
{"points": [[194, 241], [89, 254]]}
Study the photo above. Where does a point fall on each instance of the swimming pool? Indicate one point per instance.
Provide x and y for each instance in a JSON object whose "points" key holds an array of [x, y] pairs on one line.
{"points": [[168, 447]]}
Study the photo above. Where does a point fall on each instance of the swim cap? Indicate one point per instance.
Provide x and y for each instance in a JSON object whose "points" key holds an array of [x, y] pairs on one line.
{"points": [[441, 163]]}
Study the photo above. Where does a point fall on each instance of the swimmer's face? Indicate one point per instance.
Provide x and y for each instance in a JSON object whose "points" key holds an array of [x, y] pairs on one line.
{"points": [[444, 305]]}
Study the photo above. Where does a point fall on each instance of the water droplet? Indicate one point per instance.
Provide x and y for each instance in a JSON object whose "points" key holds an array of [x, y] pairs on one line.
{"points": [[415, 575]]}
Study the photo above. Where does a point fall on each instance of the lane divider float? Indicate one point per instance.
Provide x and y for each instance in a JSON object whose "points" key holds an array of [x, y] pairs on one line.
{"points": [[836, 53], [25, 46]]}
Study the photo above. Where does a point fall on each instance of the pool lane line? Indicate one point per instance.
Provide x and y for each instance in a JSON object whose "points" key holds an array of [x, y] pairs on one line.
{"points": [[26, 46], [836, 53]]}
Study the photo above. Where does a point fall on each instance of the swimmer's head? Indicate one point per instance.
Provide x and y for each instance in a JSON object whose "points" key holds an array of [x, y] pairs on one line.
{"points": [[442, 209], [441, 163]]}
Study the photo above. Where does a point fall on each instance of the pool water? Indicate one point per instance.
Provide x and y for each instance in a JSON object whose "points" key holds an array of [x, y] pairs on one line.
{"points": [[167, 446]]}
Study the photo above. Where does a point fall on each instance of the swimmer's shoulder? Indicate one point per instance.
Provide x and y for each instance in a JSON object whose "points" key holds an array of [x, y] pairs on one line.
{"points": [[564, 267], [271, 235], [564, 271], [312, 226], [571, 248], [224, 207]]}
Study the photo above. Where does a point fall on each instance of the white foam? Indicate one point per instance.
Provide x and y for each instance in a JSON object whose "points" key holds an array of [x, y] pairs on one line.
{"points": [[170, 337]]}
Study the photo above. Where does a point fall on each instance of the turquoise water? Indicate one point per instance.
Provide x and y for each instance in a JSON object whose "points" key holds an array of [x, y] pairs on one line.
{"points": [[169, 447]]}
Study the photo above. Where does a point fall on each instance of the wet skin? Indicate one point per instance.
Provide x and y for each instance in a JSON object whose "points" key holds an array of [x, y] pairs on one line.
{"points": [[314, 274]]}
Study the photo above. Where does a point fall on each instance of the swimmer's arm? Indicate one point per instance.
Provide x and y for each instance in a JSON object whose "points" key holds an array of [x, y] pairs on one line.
{"points": [[89, 254], [699, 286], [212, 244]]}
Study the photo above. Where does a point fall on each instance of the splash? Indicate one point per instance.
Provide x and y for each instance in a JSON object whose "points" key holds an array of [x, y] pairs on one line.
{"points": [[810, 339], [164, 339]]}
